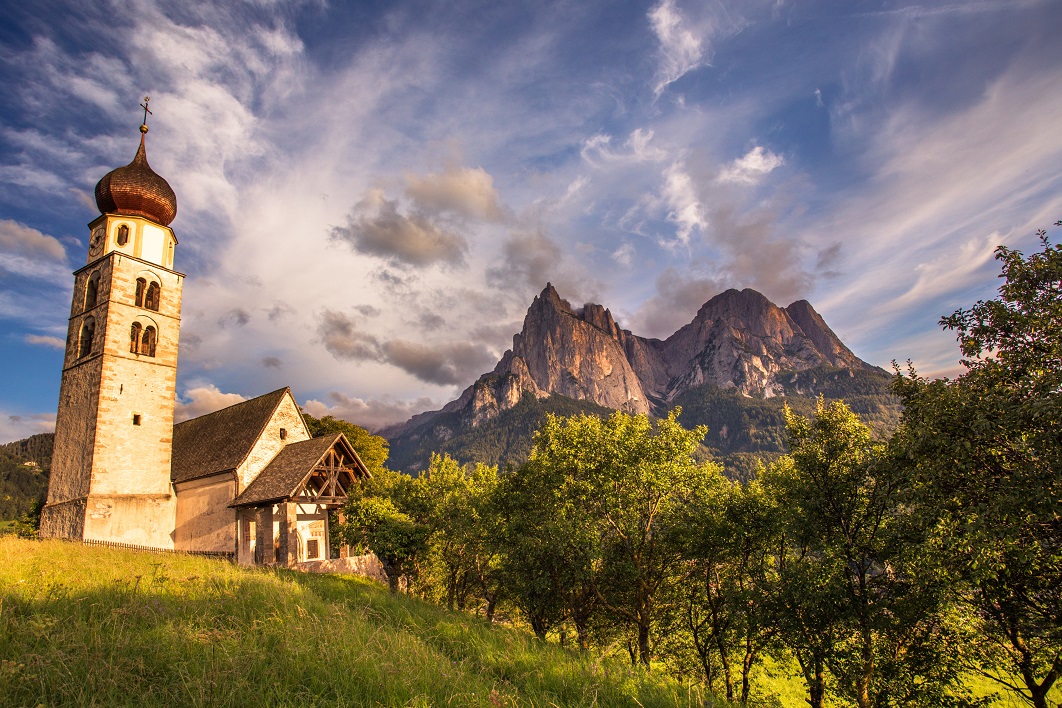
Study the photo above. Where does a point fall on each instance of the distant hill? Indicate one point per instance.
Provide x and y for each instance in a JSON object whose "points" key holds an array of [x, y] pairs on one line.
{"points": [[24, 468], [732, 368]]}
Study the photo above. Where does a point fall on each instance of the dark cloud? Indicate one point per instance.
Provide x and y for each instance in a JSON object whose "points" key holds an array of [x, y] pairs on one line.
{"points": [[236, 317], [371, 414], [367, 310], [457, 363], [272, 362], [341, 338], [377, 228], [430, 321], [677, 300], [447, 363], [280, 310], [758, 256], [529, 261]]}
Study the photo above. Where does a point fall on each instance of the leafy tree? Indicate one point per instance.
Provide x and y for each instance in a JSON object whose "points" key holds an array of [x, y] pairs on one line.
{"points": [[457, 506], [628, 480], [725, 611], [854, 600], [548, 547], [987, 454], [374, 520]]}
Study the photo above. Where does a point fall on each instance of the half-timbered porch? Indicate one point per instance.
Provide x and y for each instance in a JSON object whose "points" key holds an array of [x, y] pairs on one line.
{"points": [[282, 516]]}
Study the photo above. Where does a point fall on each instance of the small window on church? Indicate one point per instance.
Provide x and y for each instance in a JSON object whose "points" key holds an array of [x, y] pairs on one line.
{"points": [[312, 549], [123, 235], [136, 419], [88, 332], [141, 286], [134, 338], [151, 301], [283, 433], [147, 341], [92, 290]]}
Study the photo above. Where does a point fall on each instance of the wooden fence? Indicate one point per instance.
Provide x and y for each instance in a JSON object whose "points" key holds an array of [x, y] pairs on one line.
{"points": [[228, 555]]}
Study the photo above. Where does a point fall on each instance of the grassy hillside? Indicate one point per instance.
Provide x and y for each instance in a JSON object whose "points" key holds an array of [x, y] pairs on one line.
{"points": [[97, 626]]}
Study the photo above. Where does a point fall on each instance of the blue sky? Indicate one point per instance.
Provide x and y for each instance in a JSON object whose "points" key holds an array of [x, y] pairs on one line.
{"points": [[370, 194]]}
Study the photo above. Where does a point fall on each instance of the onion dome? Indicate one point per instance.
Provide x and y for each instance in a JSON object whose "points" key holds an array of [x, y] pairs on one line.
{"points": [[137, 191]]}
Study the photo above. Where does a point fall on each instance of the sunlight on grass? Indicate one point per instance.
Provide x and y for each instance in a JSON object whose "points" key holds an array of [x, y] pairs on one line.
{"points": [[88, 625]]}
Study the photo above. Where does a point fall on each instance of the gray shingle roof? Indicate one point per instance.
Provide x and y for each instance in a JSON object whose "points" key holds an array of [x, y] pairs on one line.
{"points": [[282, 478], [220, 441]]}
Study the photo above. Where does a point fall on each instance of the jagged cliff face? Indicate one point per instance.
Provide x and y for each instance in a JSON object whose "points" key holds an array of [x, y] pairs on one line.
{"points": [[738, 340]]}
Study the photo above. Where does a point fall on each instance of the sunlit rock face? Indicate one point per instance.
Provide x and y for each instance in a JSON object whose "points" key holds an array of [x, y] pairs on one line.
{"points": [[738, 340]]}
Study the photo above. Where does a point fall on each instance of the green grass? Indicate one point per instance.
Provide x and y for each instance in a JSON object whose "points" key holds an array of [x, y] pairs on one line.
{"points": [[84, 625]]}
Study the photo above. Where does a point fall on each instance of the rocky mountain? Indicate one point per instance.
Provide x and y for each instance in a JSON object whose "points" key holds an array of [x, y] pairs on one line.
{"points": [[739, 344]]}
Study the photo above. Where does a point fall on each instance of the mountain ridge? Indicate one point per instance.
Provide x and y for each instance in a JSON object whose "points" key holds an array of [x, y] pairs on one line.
{"points": [[738, 341]]}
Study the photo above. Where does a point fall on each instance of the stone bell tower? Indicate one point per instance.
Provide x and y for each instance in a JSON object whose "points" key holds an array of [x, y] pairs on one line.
{"points": [[110, 478]]}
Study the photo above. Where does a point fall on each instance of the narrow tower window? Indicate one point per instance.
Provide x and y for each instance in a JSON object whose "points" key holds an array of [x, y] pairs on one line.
{"points": [[123, 235], [141, 286], [151, 302], [147, 342], [92, 290], [134, 338], [88, 332]]}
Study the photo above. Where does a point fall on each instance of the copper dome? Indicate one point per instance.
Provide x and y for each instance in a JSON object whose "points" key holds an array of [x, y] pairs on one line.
{"points": [[136, 190]]}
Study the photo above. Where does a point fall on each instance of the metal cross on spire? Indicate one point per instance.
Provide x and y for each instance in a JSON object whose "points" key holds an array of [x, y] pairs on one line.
{"points": [[147, 111]]}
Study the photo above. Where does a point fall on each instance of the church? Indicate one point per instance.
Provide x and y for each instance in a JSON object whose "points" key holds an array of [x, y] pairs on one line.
{"points": [[246, 481]]}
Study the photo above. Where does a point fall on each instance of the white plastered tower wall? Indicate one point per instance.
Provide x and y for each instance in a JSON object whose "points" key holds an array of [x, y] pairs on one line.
{"points": [[110, 478]]}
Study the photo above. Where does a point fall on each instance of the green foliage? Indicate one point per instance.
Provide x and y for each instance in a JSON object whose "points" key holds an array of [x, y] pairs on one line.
{"points": [[620, 486], [372, 449], [24, 468], [96, 626], [986, 456], [856, 599]]}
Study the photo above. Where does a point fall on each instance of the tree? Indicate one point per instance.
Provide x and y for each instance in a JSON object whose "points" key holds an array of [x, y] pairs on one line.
{"points": [[457, 506], [725, 612], [986, 452], [624, 481], [375, 520], [853, 598]]}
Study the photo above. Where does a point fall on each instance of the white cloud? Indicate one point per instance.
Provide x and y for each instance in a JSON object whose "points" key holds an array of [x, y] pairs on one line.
{"points": [[21, 240], [202, 399], [45, 341], [682, 48], [752, 167], [684, 208], [597, 149]]}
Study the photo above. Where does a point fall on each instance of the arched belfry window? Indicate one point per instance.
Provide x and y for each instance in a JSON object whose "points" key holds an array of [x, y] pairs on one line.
{"points": [[151, 301], [147, 342], [92, 290], [88, 333], [141, 286], [123, 235], [134, 338]]}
